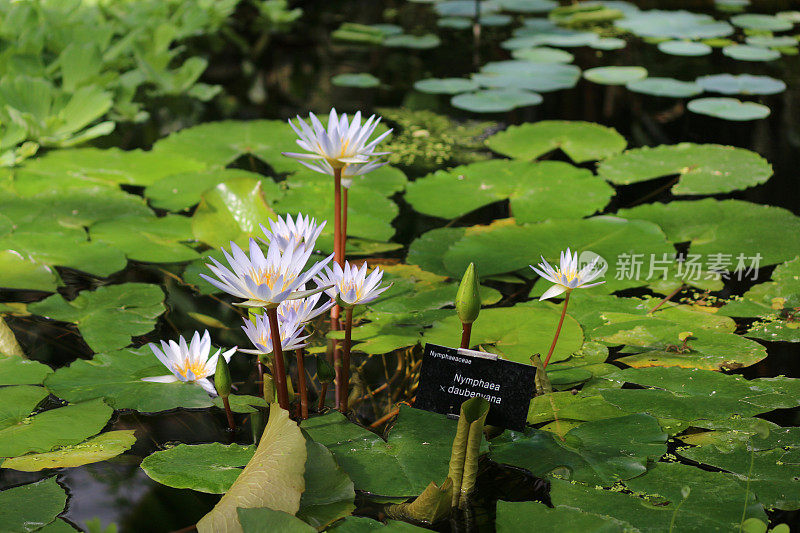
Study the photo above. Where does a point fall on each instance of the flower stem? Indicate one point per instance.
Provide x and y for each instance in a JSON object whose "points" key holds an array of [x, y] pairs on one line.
{"points": [[338, 258], [343, 237], [466, 331], [665, 300], [260, 367], [558, 330], [301, 383], [280, 368], [322, 394], [348, 329], [229, 415]]}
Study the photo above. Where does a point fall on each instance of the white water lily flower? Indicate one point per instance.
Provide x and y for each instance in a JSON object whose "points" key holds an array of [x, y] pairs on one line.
{"points": [[259, 333], [189, 363], [344, 145], [286, 232], [567, 276], [265, 281], [302, 310], [351, 285]]}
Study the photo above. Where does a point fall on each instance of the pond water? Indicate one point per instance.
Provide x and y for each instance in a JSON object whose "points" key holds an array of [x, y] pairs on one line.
{"points": [[292, 74]]}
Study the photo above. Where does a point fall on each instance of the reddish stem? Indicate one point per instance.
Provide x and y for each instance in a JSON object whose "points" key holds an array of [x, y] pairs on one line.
{"points": [[229, 415], [558, 330], [322, 394], [338, 257], [348, 329], [466, 331], [277, 351], [665, 300], [343, 237], [301, 383]]}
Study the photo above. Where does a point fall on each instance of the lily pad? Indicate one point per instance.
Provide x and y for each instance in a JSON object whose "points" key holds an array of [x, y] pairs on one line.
{"points": [[741, 84], [615, 75], [15, 370], [533, 189], [100, 448], [684, 48], [179, 192], [544, 77], [678, 24], [117, 377], [517, 516], [543, 54], [211, 467], [414, 42], [464, 8], [329, 492], [109, 316], [600, 452], [665, 87], [361, 80], [581, 141], [19, 272], [728, 227], [747, 52], [495, 100], [609, 43], [560, 37], [527, 6], [362, 524], [395, 467], [63, 426], [703, 168], [33, 506], [770, 41], [514, 333], [753, 21], [445, 85], [728, 109], [266, 520], [157, 240]]}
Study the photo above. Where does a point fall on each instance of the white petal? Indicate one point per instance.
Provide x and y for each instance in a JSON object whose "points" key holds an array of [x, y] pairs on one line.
{"points": [[555, 290]]}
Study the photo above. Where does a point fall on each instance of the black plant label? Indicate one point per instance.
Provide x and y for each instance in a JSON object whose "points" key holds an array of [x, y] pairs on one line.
{"points": [[450, 376]]}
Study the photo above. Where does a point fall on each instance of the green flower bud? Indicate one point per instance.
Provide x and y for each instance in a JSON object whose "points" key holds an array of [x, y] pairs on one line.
{"points": [[222, 377], [325, 371], [468, 301]]}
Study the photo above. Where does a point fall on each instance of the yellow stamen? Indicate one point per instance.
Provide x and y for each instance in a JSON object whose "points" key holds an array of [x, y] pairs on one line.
{"points": [[196, 367]]}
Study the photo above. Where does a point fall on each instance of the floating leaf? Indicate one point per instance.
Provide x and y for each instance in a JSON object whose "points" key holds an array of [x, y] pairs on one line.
{"points": [[211, 467], [741, 84], [14, 370], [31, 507], [752, 21], [417, 450], [19, 272], [684, 48], [464, 8], [541, 77], [615, 75], [495, 100], [543, 54], [110, 315], [100, 448], [414, 42], [266, 520], [581, 141], [529, 37], [43, 432], [157, 240], [445, 85], [667, 87], [527, 6], [329, 492], [362, 80], [674, 24], [273, 478], [703, 168], [601, 452], [362, 524], [728, 108], [117, 377], [609, 43], [517, 516], [770, 41], [746, 52], [179, 192]]}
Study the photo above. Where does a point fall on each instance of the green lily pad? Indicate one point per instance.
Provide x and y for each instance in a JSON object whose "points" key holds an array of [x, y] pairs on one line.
{"points": [[18, 272], [413, 42], [395, 467], [615, 75], [445, 85], [231, 211], [665, 87], [266, 520], [746, 52], [527, 6], [559, 37], [515, 333], [21, 434], [534, 190], [684, 48], [495, 100], [464, 8], [15, 370], [211, 467], [678, 24], [33, 506], [362, 524], [600, 452], [703, 168], [181, 191], [541, 77], [361, 80], [454, 23], [543, 54], [728, 109], [726, 227], [109, 316], [221, 143], [99, 448], [329, 492], [770, 41], [581, 141], [117, 377], [741, 84], [517, 516], [156, 240], [241, 403], [609, 43], [753, 21]]}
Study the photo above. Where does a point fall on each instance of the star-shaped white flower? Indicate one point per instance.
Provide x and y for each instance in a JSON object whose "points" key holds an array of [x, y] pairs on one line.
{"points": [[259, 333], [302, 310], [265, 281], [288, 232], [351, 285], [567, 276], [189, 363], [344, 145]]}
